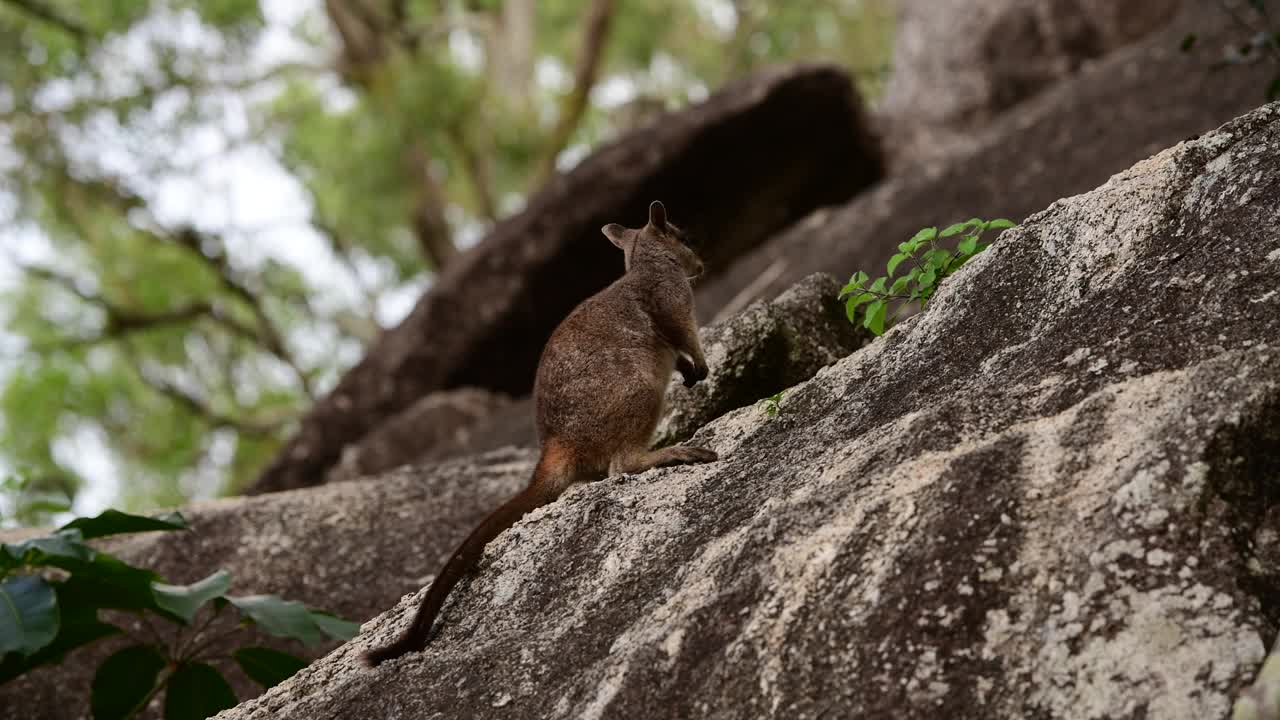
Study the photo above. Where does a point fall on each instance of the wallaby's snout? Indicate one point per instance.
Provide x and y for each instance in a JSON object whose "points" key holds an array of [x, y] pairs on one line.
{"points": [[698, 269]]}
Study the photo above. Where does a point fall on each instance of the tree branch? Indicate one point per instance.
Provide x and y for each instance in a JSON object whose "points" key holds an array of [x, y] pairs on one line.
{"points": [[199, 406], [477, 174], [124, 321], [595, 31], [198, 244], [51, 17], [205, 248], [121, 323], [435, 238]]}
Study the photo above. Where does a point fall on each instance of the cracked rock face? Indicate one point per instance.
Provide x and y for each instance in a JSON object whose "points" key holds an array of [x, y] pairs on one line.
{"points": [[1036, 499]]}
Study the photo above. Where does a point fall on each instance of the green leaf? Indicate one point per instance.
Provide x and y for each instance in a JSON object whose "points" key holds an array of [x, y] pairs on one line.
{"points": [[927, 278], [968, 245], [1188, 42], [282, 618], [1000, 224], [114, 522], [124, 682], [267, 667], [924, 236], [895, 261], [936, 259], [852, 286], [878, 286], [851, 305], [44, 551], [111, 583], [339, 629], [899, 286], [78, 625], [28, 615], [185, 600], [197, 691], [954, 229], [875, 317]]}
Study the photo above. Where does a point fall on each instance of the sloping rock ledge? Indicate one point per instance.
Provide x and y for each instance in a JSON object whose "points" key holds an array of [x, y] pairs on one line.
{"points": [[1045, 496]]}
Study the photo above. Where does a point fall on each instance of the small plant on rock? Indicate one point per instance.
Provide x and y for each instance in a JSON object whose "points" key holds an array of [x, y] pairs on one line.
{"points": [[52, 589], [867, 301], [771, 405]]}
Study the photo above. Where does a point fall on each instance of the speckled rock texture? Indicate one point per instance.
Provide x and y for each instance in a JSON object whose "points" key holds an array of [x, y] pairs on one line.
{"points": [[1042, 497]]}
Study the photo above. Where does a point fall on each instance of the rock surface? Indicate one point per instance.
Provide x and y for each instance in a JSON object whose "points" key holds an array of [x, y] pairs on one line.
{"points": [[442, 419], [1130, 105], [356, 548], [1039, 498], [752, 159], [959, 63], [762, 350]]}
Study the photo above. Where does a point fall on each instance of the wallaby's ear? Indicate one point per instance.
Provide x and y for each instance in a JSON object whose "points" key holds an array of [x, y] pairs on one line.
{"points": [[617, 234], [657, 214]]}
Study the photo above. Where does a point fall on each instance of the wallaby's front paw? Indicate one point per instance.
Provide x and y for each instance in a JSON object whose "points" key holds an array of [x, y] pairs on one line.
{"points": [[691, 455], [693, 374]]}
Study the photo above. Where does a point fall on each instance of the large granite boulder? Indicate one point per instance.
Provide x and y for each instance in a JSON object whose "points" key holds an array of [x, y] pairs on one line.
{"points": [[1052, 494], [447, 418], [957, 64], [1070, 138]]}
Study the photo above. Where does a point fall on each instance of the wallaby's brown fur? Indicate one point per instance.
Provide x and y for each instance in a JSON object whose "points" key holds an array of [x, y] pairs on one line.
{"points": [[599, 393]]}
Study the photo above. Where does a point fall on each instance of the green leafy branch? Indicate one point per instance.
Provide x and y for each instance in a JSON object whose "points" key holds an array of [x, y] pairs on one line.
{"points": [[53, 587], [867, 303]]}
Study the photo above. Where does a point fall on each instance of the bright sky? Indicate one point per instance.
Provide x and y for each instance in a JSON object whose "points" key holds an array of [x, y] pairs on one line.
{"points": [[238, 190]]}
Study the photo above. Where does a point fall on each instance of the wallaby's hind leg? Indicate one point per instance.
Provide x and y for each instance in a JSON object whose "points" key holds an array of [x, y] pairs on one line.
{"points": [[678, 455]]}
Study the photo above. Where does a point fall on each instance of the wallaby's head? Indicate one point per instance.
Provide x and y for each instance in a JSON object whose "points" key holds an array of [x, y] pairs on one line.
{"points": [[659, 241]]}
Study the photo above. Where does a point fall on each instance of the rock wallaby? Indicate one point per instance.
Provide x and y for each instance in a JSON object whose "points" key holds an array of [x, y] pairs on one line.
{"points": [[598, 393]]}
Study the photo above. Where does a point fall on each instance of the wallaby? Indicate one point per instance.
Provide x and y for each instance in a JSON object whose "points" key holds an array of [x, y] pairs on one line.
{"points": [[598, 393]]}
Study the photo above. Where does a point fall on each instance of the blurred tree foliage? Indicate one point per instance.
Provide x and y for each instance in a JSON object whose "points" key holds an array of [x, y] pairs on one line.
{"points": [[158, 342]]}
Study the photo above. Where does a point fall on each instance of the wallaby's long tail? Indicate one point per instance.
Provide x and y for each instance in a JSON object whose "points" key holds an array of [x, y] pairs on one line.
{"points": [[542, 490]]}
